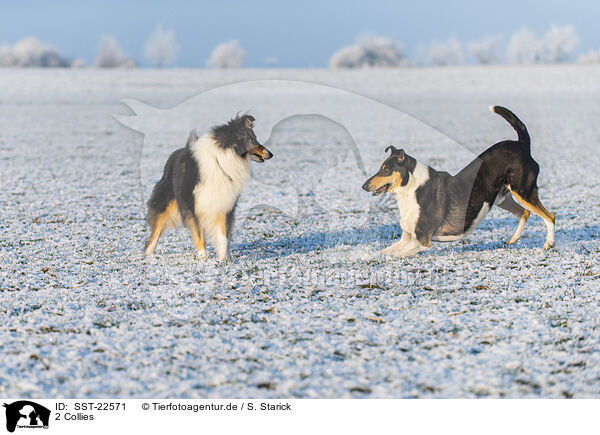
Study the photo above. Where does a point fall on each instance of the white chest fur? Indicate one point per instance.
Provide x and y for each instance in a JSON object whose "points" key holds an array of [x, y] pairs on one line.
{"points": [[407, 198], [222, 177]]}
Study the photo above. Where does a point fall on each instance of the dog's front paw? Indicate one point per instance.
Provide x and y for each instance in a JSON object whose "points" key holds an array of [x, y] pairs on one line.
{"points": [[149, 251], [392, 252], [387, 251], [202, 254], [224, 259], [548, 245], [404, 254]]}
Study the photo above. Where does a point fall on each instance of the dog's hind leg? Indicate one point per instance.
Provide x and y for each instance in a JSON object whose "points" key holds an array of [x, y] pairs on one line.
{"points": [[510, 205], [158, 223], [534, 204], [197, 237]]}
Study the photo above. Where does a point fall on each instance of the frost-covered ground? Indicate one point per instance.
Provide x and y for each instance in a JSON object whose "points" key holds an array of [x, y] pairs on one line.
{"points": [[305, 309]]}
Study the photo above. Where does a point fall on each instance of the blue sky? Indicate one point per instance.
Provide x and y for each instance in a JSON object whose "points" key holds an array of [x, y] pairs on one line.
{"points": [[297, 34]]}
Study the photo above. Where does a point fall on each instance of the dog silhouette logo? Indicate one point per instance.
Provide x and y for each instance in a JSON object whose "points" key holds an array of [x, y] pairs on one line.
{"points": [[271, 102], [26, 414]]}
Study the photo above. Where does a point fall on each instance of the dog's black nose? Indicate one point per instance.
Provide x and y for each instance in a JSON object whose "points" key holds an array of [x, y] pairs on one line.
{"points": [[366, 185], [268, 154]]}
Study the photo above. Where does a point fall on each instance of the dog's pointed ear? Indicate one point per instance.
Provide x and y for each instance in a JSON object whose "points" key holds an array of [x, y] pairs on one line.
{"points": [[249, 121], [396, 152], [393, 148]]}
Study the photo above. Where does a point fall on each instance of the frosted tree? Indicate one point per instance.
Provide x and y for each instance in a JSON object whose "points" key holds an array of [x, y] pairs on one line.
{"points": [[448, 52], [591, 56], [78, 63], [110, 55], [369, 51], [160, 49], [487, 50], [559, 43], [524, 47], [226, 55], [5, 55], [30, 52]]}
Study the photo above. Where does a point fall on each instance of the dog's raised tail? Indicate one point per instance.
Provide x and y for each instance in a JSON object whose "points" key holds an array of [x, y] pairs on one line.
{"points": [[192, 138], [515, 122]]}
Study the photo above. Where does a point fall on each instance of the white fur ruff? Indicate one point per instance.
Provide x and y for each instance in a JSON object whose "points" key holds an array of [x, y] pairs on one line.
{"points": [[409, 214], [407, 199], [222, 177]]}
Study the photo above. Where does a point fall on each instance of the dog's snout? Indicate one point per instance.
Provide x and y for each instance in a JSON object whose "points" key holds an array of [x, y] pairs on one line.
{"points": [[267, 154], [366, 185]]}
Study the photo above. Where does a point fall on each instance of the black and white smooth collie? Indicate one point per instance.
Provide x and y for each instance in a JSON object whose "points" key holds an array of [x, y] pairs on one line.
{"points": [[202, 182], [442, 207]]}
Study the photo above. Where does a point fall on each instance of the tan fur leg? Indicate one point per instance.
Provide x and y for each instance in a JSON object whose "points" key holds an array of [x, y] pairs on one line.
{"points": [[510, 205], [202, 241], [197, 237], [536, 207], [158, 225]]}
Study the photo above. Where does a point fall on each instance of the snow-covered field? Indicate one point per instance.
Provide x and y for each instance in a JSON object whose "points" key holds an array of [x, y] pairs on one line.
{"points": [[306, 308]]}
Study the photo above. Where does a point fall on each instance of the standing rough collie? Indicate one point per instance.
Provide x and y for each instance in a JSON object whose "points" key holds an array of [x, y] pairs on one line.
{"points": [[202, 182], [442, 207]]}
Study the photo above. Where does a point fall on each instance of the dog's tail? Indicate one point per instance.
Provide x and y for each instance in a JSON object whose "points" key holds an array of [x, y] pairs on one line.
{"points": [[193, 137], [515, 122]]}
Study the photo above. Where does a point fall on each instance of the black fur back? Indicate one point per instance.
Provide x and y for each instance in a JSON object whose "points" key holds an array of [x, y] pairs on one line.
{"points": [[180, 176]]}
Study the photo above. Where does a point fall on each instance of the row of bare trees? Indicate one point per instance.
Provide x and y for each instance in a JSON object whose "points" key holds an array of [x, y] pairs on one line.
{"points": [[160, 50], [556, 46]]}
